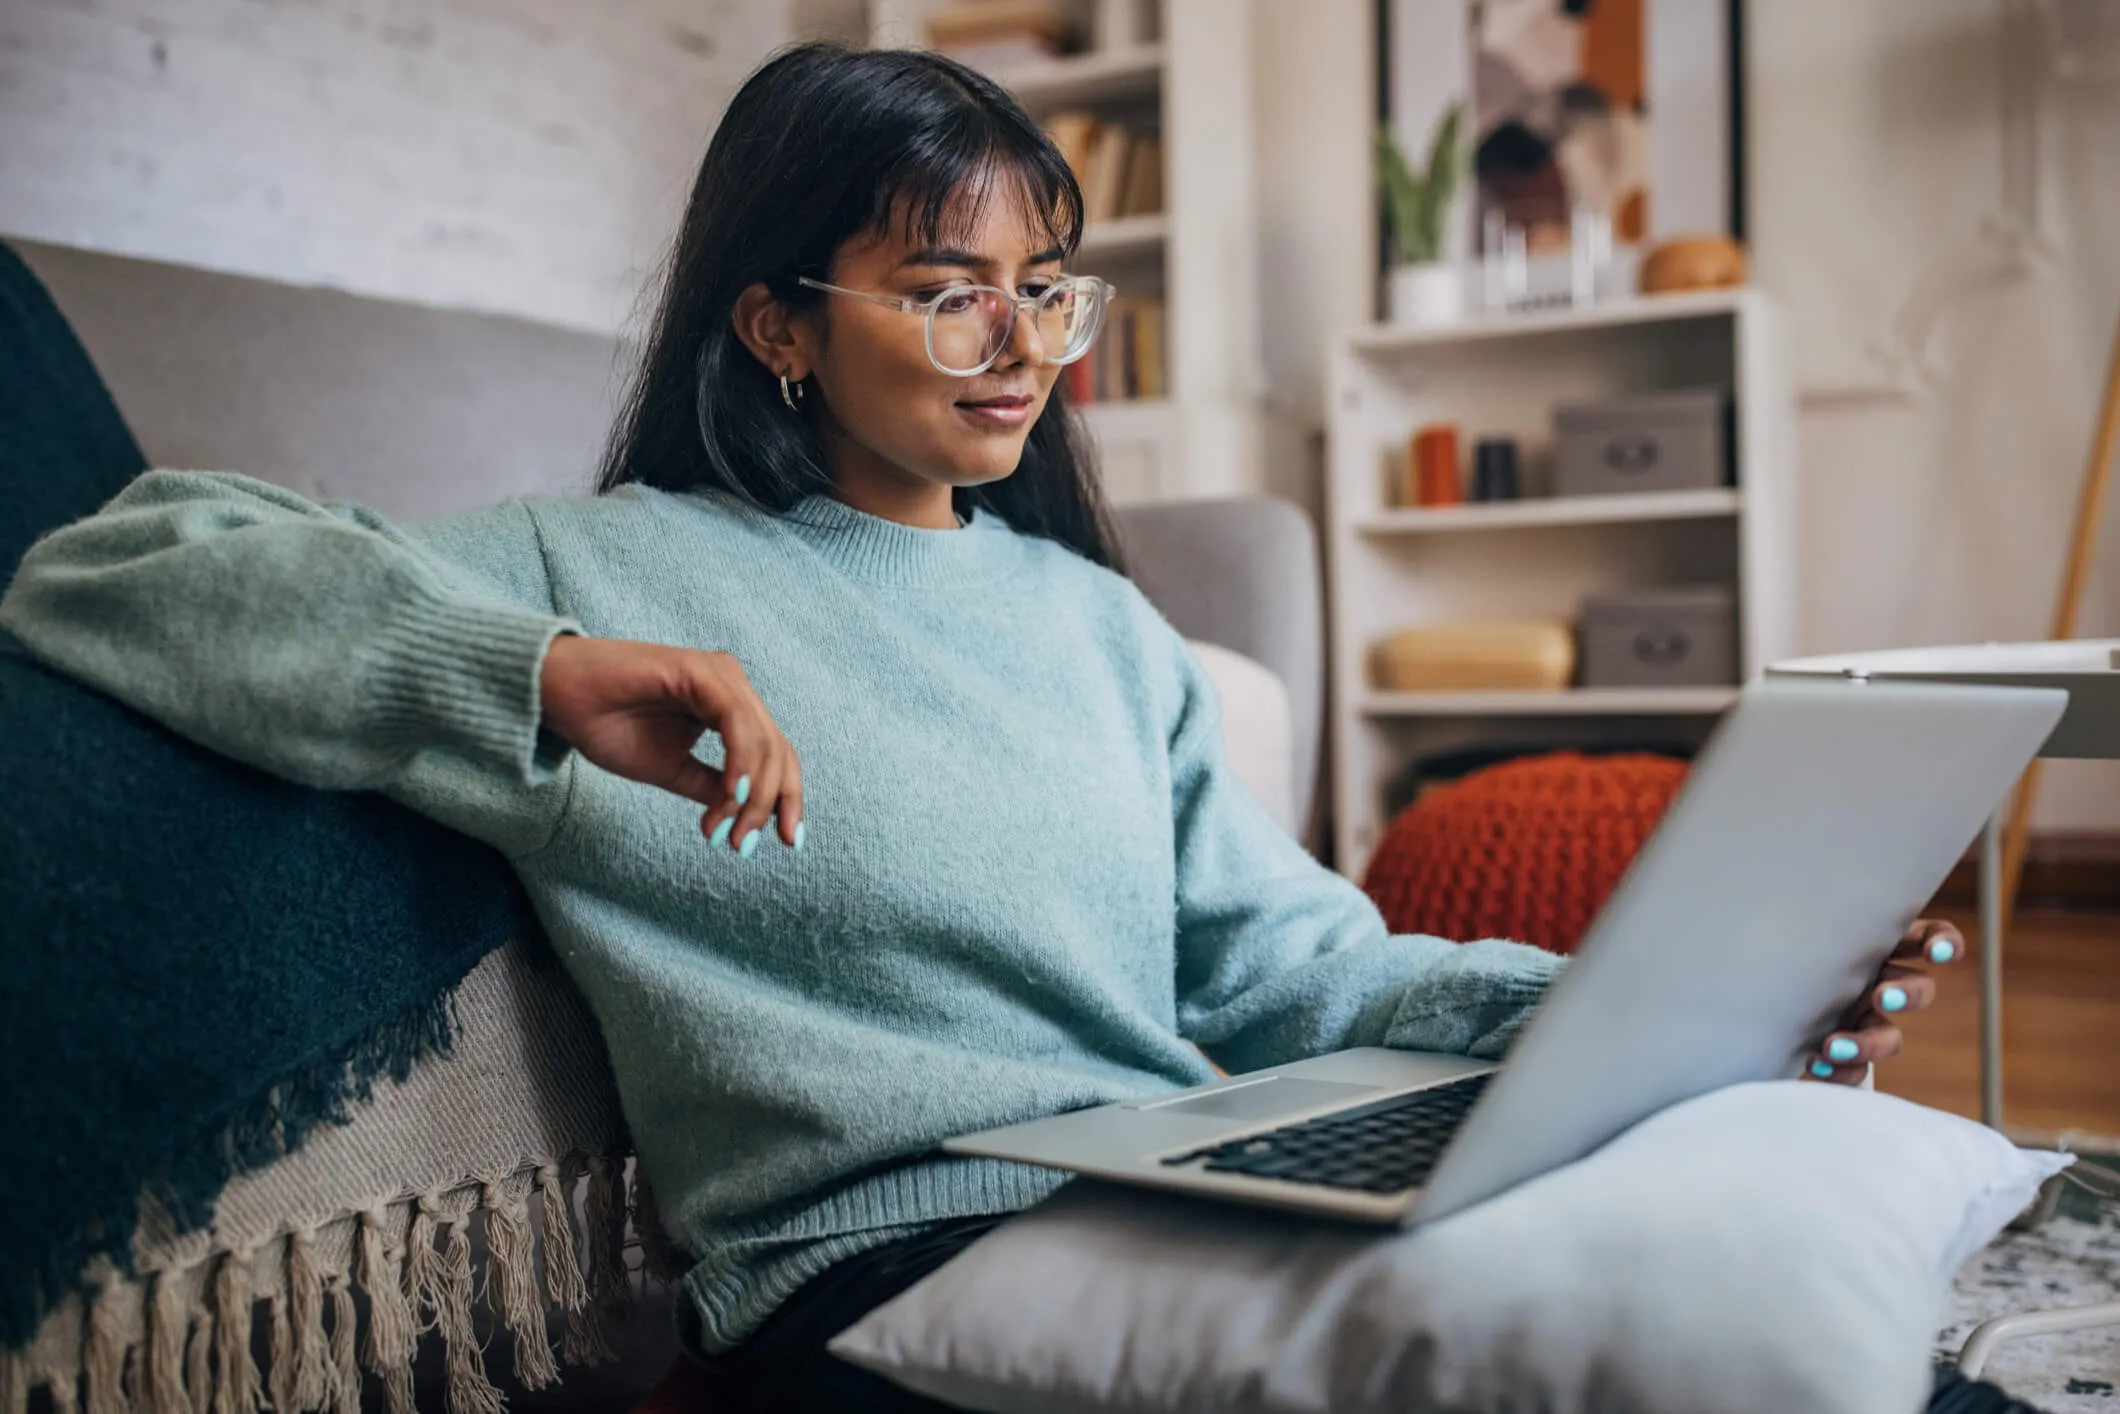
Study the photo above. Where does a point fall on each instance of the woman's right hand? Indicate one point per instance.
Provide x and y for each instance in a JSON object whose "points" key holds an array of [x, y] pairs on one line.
{"points": [[638, 709]]}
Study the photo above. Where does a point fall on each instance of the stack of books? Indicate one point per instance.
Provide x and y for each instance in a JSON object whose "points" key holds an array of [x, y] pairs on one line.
{"points": [[1127, 363], [998, 35], [1121, 172]]}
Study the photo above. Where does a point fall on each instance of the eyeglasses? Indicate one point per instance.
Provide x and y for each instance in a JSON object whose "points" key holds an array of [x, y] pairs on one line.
{"points": [[969, 325]]}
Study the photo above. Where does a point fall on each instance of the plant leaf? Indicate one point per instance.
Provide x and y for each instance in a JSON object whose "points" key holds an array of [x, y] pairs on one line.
{"points": [[1402, 193]]}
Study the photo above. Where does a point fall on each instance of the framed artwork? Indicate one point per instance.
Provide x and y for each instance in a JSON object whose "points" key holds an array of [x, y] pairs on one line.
{"points": [[1631, 109]]}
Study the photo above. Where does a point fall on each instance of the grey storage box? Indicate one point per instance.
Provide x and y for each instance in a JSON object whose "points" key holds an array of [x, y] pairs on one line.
{"points": [[1680, 637], [1676, 441]]}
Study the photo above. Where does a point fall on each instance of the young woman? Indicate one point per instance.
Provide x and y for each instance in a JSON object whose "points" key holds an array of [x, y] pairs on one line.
{"points": [[843, 510]]}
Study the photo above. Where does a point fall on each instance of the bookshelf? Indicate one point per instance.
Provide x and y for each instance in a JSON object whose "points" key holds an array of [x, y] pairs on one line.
{"points": [[1178, 71], [1390, 567]]}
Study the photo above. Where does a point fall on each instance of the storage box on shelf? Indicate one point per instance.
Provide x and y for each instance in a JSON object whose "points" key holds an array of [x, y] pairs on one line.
{"points": [[1540, 557], [1155, 112]]}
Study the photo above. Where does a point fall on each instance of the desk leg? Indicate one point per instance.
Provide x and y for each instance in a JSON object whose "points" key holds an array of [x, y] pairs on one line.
{"points": [[1991, 972]]}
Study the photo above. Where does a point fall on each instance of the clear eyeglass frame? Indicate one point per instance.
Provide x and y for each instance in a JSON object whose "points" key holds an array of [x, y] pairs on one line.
{"points": [[1096, 295]]}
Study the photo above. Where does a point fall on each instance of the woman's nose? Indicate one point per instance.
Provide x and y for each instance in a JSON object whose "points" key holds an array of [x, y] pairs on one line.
{"points": [[1024, 346]]}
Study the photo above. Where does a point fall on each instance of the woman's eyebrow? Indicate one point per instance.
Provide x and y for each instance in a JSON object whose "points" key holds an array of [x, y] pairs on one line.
{"points": [[943, 255], [939, 255]]}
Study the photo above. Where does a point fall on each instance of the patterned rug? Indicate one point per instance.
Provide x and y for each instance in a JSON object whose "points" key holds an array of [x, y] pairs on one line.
{"points": [[2072, 1259]]}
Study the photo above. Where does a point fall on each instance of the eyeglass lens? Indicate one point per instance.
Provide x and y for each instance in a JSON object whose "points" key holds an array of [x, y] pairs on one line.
{"points": [[970, 326]]}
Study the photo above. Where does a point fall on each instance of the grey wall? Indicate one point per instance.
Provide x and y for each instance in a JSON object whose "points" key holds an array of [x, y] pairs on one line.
{"points": [[524, 157], [407, 408]]}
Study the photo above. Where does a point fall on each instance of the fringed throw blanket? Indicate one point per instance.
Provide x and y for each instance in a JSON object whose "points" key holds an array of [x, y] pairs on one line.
{"points": [[482, 1199], [201, 968], [200, 964]]}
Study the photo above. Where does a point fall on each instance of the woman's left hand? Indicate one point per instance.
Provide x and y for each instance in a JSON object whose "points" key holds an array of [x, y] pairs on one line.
{"points": [[1869, 1031]]}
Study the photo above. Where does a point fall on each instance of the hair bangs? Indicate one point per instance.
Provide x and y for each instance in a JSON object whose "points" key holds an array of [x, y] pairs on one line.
{"points": [[941, 189]]}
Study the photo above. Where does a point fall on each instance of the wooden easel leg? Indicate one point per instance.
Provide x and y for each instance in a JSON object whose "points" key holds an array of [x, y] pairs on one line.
{"points": [[2090, 510]]}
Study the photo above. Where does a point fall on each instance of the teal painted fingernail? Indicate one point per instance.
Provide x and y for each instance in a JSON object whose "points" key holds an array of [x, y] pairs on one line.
{"points": [[1821, 1070], [743, 790], [1893, 999], [801, 828], [1843, 1050], [721, 831], [749, 846], [1942, 951]]}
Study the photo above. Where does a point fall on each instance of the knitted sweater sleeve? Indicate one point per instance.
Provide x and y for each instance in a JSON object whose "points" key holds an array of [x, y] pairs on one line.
{"points": [[323, 644], [1279, 958]]}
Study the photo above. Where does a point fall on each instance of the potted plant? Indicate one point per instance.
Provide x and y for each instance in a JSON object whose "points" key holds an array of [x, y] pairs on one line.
{"points": [[1425, 288]]}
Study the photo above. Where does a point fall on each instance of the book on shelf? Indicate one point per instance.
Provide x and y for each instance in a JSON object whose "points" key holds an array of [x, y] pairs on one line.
{"points": [[1145, 338], [1127, 363], [1080, 380], [1104, 183], [999, 56], [1120, 172], [997, 35], [1073, 132], [1144, 179]]}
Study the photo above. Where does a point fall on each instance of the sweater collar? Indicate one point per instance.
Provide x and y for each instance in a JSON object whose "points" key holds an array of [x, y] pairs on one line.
{"points": [[884, 552]]}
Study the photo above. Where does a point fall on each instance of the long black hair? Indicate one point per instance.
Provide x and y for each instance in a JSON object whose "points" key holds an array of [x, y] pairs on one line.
{"points": [[822, 144]]}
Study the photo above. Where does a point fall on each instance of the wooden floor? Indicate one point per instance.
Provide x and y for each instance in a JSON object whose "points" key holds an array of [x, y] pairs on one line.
{"points": [[2060, 1027]]}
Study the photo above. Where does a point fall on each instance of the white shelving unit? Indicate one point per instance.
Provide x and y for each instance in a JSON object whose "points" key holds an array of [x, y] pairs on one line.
{"points": [[1578, 702], [1182, 69], [1391, 567], [1553, 510]]}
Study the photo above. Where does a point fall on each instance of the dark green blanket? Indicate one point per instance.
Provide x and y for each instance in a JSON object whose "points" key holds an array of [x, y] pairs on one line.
{"points": [[199, 963]]}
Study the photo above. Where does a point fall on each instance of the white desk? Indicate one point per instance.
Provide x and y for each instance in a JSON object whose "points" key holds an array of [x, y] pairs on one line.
{"points": [[2086, 669]]}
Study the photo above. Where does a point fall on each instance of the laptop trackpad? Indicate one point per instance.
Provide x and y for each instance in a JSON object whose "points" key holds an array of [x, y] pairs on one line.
{"points": [[1263, 1099]]}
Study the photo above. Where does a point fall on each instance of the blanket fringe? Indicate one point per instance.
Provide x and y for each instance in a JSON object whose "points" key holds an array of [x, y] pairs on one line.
{"points": [[279, 1357], [343, 1391], [198, 1359], [468, 1389], [584, 1342], [104, 1365], [423, 1273], [168, 1323], [14, 1384], [178, 1340], [512, 1268], [393, 1338], [604, 1212], [235, 1389], [305, 1308]]}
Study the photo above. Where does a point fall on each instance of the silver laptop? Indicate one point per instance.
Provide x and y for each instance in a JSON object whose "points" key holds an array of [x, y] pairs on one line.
{"points": [[1816, 823]]}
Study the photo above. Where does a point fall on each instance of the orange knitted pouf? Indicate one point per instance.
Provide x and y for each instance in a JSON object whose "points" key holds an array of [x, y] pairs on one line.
{"points": [[1527, 850]]}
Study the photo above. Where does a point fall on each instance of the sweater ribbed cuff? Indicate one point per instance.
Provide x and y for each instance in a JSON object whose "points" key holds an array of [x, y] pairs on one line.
{"points": [[751, 1268], [1477, 1001], [467, 675]]}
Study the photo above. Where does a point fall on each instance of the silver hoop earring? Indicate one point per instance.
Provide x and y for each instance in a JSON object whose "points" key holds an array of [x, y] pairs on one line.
{"points": [[791, 395]]}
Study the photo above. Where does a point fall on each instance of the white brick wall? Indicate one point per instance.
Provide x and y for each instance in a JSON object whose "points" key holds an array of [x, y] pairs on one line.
{"points": [[524, 157]]}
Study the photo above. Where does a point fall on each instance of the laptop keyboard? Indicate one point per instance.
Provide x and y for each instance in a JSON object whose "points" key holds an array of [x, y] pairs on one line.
{"points": [[1385, 1147]]}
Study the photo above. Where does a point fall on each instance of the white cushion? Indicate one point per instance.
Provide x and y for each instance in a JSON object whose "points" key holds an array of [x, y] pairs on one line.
{"points": [[1778, 1246], [1258, 732]]}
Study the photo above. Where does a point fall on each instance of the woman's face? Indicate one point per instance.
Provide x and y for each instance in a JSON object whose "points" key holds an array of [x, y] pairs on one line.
{"points": [[887, 413]]}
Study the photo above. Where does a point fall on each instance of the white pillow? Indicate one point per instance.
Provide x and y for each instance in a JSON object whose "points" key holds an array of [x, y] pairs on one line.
{"points": [[1258, 730], [1777, 1246]]}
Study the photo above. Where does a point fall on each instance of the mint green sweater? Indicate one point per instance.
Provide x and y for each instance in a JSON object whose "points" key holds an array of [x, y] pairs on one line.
{"points": [[1029, 882]]}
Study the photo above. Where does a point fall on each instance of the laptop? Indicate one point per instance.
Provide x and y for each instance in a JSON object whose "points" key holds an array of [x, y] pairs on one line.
{"points": [[1814, 826]]}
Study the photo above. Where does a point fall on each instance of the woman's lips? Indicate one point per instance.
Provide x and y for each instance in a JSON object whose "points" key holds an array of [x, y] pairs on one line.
{"points": [[1010, 410]]}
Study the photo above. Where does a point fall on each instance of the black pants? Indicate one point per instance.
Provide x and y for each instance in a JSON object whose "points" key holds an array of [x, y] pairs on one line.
{"points": [[784, 1367]]}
